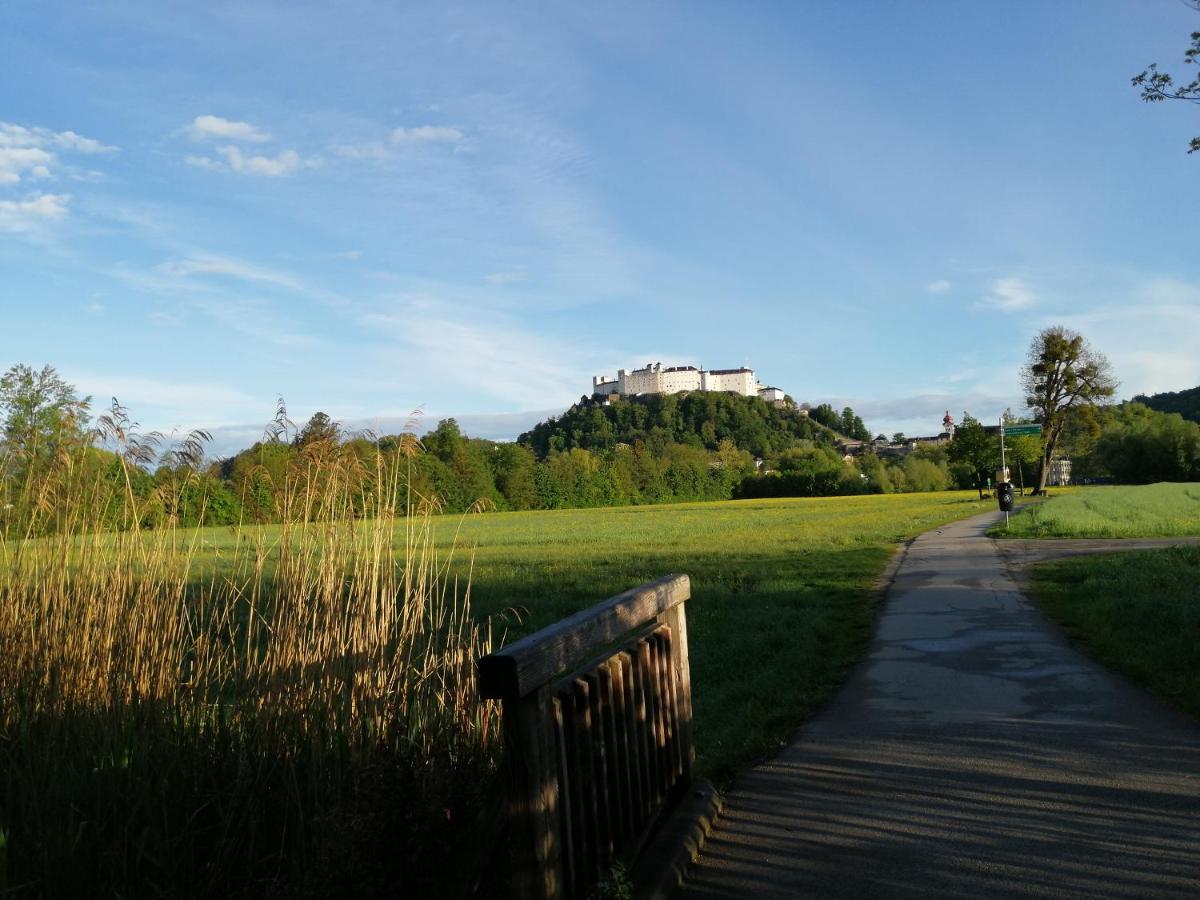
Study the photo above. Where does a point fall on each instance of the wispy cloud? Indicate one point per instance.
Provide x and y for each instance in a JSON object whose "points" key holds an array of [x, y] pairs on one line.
{"points": [[208, 264], [1152, 337], [12, 135], [1010, 295], [211, 127], [938, 287], [501, 359], [424, 134], [506, 277], [163, 404]]}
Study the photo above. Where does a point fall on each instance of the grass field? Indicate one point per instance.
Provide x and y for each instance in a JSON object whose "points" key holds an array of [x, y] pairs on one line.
{"points": [[1138, 613], [780, 591], [1152, 510], [326, 725], [779, 611]]}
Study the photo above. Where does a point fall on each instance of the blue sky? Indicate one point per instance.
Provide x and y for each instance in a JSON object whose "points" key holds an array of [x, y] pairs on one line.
{"points": [[370, 207]]}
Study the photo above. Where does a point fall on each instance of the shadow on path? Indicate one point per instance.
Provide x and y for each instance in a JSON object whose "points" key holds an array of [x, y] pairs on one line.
{"points": [[973, 753]]}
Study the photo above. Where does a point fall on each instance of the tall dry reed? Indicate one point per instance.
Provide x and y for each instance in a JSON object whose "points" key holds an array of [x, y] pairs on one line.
{"points": [[251, 711]]}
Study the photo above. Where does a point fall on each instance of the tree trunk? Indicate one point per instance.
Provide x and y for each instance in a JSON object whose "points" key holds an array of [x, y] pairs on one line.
{"points": [[1045, 474]]}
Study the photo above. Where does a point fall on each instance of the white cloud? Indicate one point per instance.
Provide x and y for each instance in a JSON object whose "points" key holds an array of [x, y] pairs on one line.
{"points": [[215, 128], [348, 254], [920, 415], [426, 134], [1010, 295], [1152, 338], [367, 150], [164, 405], [286, 162], [12, 135], [26, 215], [203, 162], [938, 287], [96, 309], [69, 140], [433, 332], [15, 161], [29, 152], [207, 264]]}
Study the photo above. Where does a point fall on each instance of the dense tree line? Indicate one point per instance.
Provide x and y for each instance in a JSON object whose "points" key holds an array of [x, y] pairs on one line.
{"points": [[1186, 403], [1134, 444], [657, 449]]}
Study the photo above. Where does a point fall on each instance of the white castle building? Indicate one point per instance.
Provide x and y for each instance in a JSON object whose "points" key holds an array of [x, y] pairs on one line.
{"points": [[654, 379]]}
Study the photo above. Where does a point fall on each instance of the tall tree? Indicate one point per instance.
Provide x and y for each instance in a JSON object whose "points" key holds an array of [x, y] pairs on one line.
{"points": [[974, 449], [38, 408], [319, 428], [1158, 86], [1063, 378], [40, 414]]}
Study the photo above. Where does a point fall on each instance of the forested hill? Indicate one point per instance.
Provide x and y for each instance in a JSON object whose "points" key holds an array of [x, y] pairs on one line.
{"points": [[698, 419], [1186, 403]]}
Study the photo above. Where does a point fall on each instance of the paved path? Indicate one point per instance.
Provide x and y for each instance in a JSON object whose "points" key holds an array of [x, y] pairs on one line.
{"points": [[973, 754]]}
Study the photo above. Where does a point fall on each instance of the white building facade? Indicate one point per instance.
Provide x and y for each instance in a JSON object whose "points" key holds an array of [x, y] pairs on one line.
{"points": [[655, 379]]}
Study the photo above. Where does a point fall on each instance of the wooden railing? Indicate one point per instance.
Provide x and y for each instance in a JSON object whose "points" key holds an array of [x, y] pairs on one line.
{"points": [[598, 735]]}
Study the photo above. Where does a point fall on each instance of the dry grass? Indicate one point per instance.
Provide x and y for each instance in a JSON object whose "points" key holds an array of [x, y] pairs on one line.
{"points": [[274, 728]]}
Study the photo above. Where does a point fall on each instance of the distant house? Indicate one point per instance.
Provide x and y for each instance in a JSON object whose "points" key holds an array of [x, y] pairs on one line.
{"points": [[1059, 474]]}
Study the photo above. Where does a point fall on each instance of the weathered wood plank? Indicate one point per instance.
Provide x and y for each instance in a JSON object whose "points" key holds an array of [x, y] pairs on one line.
{"points": [[525, 665], [622, 767], [676, 620], [589, 822], [562, 723], [600, 771], [531, 768], [654, 733], [612, 756]]}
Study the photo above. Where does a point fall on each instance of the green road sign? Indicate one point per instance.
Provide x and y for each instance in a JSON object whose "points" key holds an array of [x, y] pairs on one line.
{"points": [[1014, 430]]}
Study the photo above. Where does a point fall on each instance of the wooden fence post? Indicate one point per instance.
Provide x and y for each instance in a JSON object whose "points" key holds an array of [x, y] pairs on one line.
{"points": [[597, 735]]}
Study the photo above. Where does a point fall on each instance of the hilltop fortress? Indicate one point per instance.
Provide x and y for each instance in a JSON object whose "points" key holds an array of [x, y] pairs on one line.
{"points": [[654, 379]]}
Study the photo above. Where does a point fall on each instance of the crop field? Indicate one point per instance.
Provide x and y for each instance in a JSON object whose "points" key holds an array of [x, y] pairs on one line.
{"points": [[1138, 613], [779, 609], [1152, 510]]}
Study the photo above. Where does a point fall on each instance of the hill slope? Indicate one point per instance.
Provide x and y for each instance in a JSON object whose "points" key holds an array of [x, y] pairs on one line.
{"points": [[699, 419], [1186, 403]]}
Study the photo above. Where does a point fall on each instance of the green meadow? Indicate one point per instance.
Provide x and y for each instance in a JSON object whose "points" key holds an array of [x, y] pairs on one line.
{"points": [[781, 590], [1137, 612], [327, 706], [1167, 509]]}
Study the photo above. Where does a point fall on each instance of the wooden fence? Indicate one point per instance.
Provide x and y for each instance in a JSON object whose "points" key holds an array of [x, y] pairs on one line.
{"points": [[598, 735]]}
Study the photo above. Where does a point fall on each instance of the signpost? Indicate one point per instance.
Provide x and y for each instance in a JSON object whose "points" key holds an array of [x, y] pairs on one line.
{"points": [[1004, 489]]}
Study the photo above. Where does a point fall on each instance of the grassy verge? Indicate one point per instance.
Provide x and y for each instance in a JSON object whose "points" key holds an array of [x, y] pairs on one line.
{"points": [[1152, 510], [1138, 613]]}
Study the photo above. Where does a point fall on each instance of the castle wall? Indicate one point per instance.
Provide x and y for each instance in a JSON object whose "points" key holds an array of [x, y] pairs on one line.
{"points": [[654, 379]]}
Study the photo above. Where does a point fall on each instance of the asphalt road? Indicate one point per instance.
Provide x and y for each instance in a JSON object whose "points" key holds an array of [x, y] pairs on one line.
{"points": [[974, 753]]}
